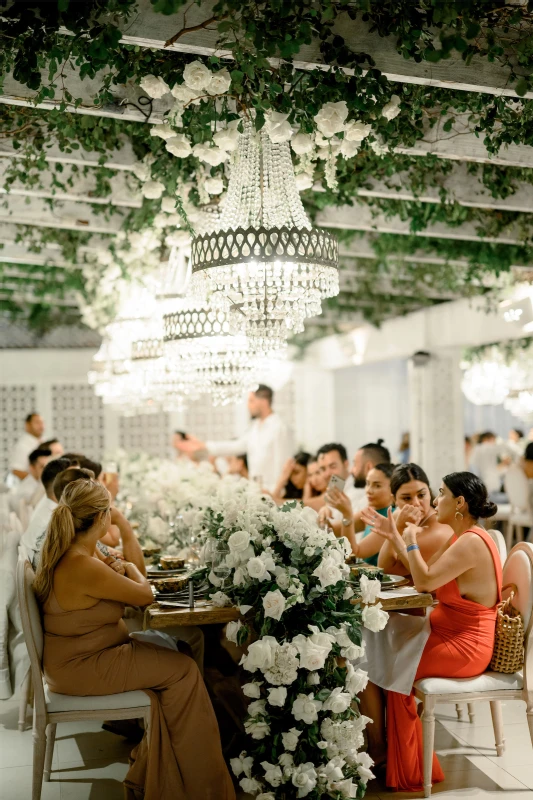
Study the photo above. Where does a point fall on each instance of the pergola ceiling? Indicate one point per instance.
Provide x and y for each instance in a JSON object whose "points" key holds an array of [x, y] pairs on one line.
{"points": [[74, 204]]}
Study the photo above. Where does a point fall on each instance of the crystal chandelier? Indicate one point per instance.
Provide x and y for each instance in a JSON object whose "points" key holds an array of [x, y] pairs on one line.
{"points": [[486, 383], [264, 255], [520, 404]]}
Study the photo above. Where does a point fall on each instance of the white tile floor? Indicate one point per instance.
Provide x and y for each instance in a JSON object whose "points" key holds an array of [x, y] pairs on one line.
{"points": [[89, 764]]}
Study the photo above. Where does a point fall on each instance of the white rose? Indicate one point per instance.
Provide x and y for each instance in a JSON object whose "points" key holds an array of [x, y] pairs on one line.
{"points": [[242, 764], [356, 131], [228, 138], [273, 773], [364, 763], [213, 156], [306, 708], [250, 785], [356, 680], [353, 652], [152, 190], [392, 109], [331, 118], [257, 569], [348, 593], [333, 769], [338, 701], [347, 788], [163, 131], [185, 95], [274, 604], [214, 185], [239, 577], [257, 707], [220, 82], [232, 629], [290, 738], [313, 679], [277, 127], [252, 690], [197, 76], [179, 146], [260, 654], [256, 729], [265, 796], [277, 696], [378, 146], [313, 653], [328, 572], [369, 589], [349, 149], [374, 618], [238, 541], [154, 87], [303, 182], [302, 143], [340, 635], [304, 778], [168, 205], [219, 599], [142, 171]]}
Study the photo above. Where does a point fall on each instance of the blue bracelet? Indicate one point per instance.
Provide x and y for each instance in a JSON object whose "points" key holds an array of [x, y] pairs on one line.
{"points": [[412, 547]]}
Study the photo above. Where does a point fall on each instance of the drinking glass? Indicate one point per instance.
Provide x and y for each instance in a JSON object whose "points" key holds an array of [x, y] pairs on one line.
{"points": [[219, 565]]}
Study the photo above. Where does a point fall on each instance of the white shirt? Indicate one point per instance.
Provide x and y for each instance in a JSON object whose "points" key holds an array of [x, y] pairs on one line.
{"points": [[484, 464], [25, 490], [267, 444], [19, 456], [38, 524]]}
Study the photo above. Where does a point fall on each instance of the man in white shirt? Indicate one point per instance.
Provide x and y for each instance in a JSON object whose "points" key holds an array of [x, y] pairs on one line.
{"points": [[488, 459], [366, 458], [28, 442], [43, 510], [267, 443], [30, 486]]}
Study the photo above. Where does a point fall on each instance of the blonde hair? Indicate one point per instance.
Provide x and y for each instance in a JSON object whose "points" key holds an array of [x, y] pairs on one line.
{"points": [[81, 503]]}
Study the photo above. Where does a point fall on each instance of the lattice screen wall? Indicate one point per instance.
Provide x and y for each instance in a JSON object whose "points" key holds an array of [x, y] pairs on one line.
{"points": [[148, 433], [78, 419], [16, 402]]}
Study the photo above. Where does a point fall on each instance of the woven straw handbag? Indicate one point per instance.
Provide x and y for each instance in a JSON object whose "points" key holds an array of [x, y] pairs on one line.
{"points": [[508, 653]]}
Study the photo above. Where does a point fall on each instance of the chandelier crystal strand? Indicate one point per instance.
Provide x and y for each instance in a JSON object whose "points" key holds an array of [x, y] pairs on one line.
{"points": [[264, 255]]}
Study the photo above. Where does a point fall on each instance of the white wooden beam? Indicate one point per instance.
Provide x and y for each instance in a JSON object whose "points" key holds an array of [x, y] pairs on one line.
{"points": [[359, 218], [150, 29], [124, 192], [11, 248], [123, 159], [75, 217]]}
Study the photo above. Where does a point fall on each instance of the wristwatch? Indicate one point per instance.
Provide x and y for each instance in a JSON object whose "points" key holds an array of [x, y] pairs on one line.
{"points": [[346, 521]]}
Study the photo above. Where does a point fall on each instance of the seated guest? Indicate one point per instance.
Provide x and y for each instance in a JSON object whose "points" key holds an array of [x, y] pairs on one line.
{"points": [[412, 498], [292, 479], [379, 498], [365, 459], [467, 575], [332, 460], [29, 486], [315, 485], [110, 481], [87, 649], [43, 510], [55, 447], [28, 442], [238, 465], [516, 443], [488, 459]]}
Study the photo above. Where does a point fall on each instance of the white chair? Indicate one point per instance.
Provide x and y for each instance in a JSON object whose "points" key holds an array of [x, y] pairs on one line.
{"points": [[24, 512], [491, 686], [517, 490], [50, 708]]}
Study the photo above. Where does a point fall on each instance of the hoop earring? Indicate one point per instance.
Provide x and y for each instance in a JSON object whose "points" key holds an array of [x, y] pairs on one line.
{"points": [[458, 515]]}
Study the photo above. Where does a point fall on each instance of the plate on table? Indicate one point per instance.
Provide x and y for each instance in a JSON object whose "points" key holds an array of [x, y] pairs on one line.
{"points": [[393, 581], [154, 571]]}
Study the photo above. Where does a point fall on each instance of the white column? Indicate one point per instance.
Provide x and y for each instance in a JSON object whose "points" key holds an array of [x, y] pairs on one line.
{"points": [[436, 407]]}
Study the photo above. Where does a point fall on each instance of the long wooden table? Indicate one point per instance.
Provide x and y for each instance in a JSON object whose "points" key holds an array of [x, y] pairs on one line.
{"points": [[159, 617]]}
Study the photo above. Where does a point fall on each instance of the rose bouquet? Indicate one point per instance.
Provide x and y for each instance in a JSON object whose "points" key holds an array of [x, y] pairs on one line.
{"points": [[290, 581]]}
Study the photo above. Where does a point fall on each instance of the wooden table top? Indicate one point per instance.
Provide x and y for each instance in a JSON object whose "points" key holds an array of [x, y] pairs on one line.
{"points": [[159, 617]]}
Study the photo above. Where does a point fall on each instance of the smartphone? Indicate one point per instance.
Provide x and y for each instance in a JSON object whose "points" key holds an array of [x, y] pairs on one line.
{"points": [[336, 483]]}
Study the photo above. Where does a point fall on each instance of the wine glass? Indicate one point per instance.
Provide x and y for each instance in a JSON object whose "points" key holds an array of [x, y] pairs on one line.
{"points": [[219, 565]]}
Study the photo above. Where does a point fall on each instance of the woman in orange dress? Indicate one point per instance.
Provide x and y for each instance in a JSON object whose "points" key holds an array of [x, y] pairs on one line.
{"points": [[466, 575], [87, 651]]}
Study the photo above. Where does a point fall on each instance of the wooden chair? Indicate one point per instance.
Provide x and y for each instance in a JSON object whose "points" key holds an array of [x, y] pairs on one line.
{"points": [[491, 686], [50, 708]]}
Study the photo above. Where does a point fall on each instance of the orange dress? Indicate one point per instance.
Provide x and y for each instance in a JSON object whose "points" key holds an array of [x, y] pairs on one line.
{"points": [[460, 646], [89, 652]]}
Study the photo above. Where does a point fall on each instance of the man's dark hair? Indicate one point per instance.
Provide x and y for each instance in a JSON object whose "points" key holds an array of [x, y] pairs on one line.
{"points": [[48, 443], [244, 458], [74, 457], [486, 435], [519, 433], [180, 433], [265, 392], [67, 476], [84, 463], [52, 470], [328, 448], [41, 452], [31, 416], [376, 453]]}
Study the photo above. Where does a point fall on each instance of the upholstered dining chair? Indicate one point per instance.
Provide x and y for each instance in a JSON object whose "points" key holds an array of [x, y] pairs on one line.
{"points": [[49, 708], [491, 686]]}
